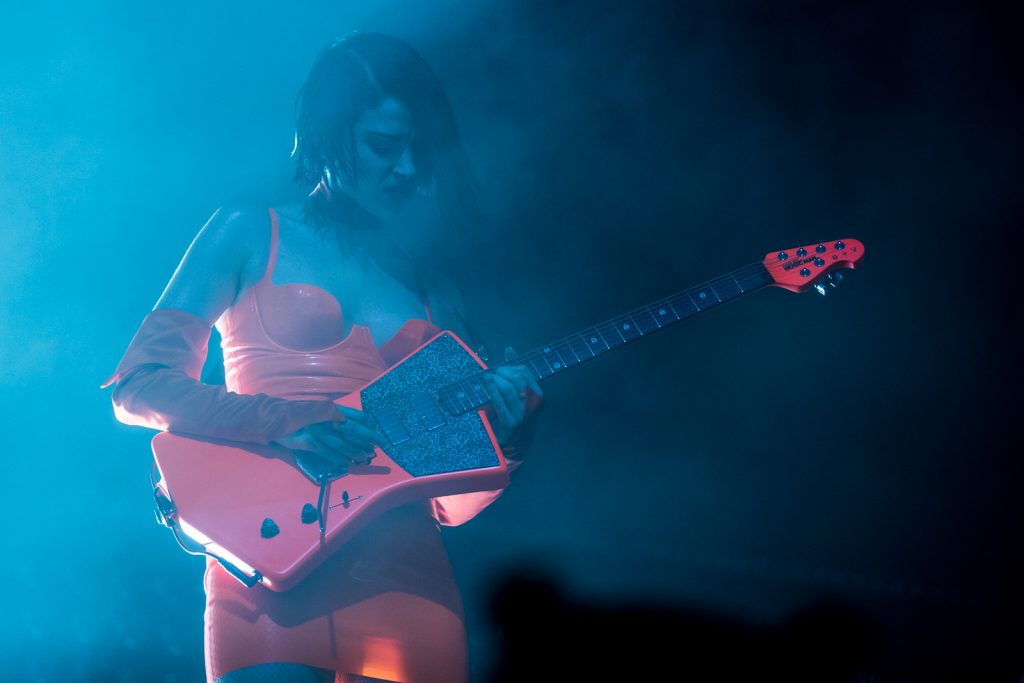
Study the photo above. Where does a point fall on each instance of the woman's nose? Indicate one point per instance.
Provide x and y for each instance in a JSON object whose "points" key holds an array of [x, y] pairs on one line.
{"points": [[405, 167]]}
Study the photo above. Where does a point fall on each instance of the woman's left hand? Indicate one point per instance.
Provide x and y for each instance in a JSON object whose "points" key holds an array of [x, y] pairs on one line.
{"points": [[507, 386]]}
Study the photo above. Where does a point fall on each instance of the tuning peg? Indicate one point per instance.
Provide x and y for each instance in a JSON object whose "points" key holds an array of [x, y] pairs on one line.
{"points": [[820, 286]]}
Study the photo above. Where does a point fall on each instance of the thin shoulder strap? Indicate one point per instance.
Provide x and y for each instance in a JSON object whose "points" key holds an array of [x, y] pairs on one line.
{"points": [[272, 258]]}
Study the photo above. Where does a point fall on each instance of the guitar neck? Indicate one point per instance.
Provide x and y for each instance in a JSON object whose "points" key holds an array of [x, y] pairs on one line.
{"points": [[549, 359]]}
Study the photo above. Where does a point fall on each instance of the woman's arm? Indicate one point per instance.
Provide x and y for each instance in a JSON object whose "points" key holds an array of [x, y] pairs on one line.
{"points": [[515, 398], [157, 381], [222, 261], [513, 389]]}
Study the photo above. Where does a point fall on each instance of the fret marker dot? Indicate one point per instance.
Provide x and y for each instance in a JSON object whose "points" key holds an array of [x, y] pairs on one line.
{"points": [[462, 394], [703, 295], [477, 387], [593, 340], [661, 311], [547, 349], [625, 326], [557, 365]]}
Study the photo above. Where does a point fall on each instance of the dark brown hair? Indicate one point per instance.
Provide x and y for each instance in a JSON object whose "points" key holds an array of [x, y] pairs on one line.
{"points": [[354, 74]]}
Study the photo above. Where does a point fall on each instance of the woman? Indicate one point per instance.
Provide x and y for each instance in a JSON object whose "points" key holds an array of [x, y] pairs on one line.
{"points": [[312, 301]]}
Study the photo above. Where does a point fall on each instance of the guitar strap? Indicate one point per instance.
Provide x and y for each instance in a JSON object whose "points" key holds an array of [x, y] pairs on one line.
{"points": [[475, 339]]}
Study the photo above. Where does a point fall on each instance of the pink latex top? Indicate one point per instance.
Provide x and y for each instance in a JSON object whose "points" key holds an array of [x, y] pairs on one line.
{"points": [[287, 340]]}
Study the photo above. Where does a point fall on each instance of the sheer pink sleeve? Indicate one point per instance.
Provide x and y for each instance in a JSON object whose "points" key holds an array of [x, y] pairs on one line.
{"points": [[459, 509], [157, 385]]}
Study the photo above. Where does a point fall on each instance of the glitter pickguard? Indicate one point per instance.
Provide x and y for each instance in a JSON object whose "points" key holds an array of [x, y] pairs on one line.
{"points": [[461, 444]]}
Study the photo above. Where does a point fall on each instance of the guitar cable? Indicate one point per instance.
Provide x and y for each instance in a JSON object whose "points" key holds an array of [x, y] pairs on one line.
{"points": [[167, 515], [325, 481]]}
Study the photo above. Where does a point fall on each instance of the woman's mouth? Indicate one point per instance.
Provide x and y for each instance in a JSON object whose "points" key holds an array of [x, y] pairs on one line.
{"points": [[396, 191]]}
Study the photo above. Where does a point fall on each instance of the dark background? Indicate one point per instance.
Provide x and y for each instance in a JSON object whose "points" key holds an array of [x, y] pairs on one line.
{"points": [[790, 486]]}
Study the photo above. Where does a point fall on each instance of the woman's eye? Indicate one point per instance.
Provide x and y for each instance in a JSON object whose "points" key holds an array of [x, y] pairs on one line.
{"points": [[384, 149]]}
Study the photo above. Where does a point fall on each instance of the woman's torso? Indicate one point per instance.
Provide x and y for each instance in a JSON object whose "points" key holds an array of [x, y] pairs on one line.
{"points": [[375, 285], [313, 319]]}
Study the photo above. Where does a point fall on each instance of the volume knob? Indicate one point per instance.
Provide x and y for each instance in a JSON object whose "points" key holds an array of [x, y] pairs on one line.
{"points": [[269, 529], [309, 514]]}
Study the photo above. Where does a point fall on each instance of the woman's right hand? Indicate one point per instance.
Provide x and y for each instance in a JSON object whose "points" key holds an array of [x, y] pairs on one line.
{"points": [[341, 443]]}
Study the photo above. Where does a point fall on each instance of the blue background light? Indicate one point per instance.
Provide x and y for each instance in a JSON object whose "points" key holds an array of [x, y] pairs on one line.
{"points": [[783, 453]]}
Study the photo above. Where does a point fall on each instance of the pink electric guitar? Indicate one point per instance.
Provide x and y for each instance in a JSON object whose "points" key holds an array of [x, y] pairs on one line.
{"points": [[270, 515]]}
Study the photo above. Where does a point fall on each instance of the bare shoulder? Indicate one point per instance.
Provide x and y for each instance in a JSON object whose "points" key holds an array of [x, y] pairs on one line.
{"points": [[220, 262]]}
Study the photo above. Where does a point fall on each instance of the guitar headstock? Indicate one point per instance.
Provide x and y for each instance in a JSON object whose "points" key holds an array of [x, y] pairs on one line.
{"points": [[812, 265]]}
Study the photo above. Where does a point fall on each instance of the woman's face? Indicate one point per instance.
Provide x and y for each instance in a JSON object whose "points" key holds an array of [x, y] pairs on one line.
{"points": [[385, 169]]}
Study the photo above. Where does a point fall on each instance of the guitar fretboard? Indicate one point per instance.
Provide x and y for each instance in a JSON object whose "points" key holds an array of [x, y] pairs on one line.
{"points": [[544, 361]]}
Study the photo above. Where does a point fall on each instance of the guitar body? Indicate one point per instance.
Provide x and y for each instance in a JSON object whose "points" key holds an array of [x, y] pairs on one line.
{"points": [[254, 507]]}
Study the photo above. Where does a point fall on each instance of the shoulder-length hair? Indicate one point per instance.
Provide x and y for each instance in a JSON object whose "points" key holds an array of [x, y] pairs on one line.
{"points": [[354, 74]]}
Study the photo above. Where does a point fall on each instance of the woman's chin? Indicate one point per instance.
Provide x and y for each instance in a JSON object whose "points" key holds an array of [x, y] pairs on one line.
{"points": [[392, 204]]}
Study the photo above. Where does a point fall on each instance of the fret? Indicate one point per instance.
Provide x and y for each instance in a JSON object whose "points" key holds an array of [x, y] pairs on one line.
{"points": [[760, 279], [480, 393], [464, 394], [564, 352], [753, 278], [683, 305], [721, 291], [663, 313], [626, 327], [533, 364], [682, 302], [645, 321], [594, 341], [566, 344], [738, 284], [752, 281], [578, 342], [673, 309], [714, 292], [552, 357], [610, 331], [547, 365], [558, 360], [700, 299], [460, 394]]}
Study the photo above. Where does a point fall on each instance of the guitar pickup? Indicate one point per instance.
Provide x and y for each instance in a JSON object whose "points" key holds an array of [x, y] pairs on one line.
{"points": [[428, 411], [392, 425]]}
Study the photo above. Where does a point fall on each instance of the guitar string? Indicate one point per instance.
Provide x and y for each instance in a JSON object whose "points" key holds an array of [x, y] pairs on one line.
{"points": [[750, 275]]}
